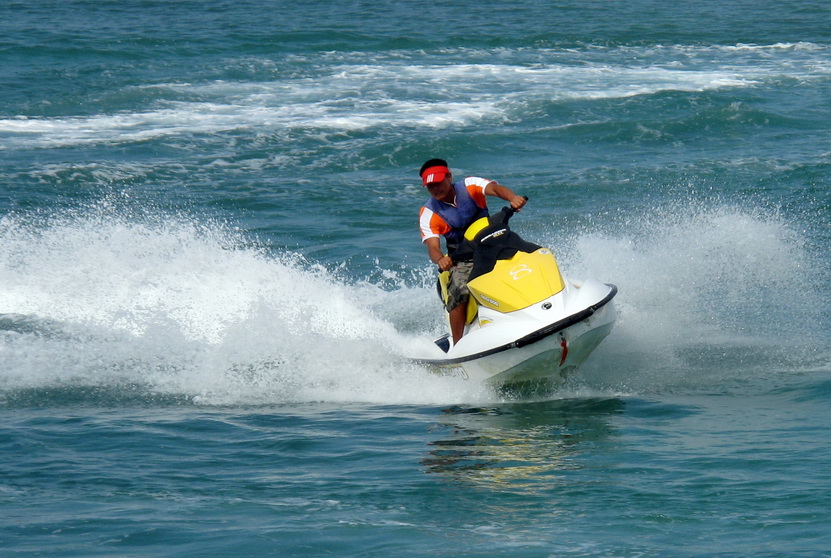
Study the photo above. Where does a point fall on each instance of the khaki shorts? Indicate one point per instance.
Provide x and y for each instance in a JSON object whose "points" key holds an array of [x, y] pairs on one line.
{"points": [[457, 291]]}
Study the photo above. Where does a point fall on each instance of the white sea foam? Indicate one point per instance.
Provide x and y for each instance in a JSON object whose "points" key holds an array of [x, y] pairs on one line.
{"points": [[189, 309], [708, 294], [350, 92], [184, 309]]}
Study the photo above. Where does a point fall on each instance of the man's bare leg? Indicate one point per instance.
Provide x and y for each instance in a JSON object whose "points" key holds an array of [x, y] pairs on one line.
{"points": [[458, 317]]}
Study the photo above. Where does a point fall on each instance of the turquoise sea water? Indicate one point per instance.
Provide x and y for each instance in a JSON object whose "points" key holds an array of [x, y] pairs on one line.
{"points": [[211, 277]]}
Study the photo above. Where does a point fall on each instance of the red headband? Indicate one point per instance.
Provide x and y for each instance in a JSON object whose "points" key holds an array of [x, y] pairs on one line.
{"points": [[434, 174]]}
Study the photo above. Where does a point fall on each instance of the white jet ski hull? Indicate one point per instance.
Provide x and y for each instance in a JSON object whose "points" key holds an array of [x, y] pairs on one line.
{"points": [[518, 350]]}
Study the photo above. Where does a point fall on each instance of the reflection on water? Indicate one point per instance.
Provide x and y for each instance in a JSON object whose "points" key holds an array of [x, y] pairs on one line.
{"points": [[505, 446]]}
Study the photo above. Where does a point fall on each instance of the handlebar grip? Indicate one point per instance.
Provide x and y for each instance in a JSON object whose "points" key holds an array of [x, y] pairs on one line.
{"points": [[511, 210]]}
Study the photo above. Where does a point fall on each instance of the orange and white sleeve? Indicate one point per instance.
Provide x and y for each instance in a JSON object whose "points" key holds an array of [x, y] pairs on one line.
{"points": [[431, 224], [476, 188]]}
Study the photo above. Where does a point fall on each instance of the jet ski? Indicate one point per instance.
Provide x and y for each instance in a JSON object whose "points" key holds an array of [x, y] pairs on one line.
{"points": [[526, 322]]}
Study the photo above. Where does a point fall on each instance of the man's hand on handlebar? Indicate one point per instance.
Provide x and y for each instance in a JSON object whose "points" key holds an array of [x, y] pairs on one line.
{"points": [[517, 202], [445, 263]]}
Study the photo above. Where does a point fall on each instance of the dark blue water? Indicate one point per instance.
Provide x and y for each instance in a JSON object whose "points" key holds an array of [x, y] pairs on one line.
{"points": [[211, 277]]}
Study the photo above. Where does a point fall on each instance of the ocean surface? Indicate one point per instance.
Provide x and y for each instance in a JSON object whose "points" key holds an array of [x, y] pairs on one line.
{"points": [[212, 282]]}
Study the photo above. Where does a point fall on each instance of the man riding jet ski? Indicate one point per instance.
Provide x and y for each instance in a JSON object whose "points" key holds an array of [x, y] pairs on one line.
{"points": [[454, 206], [524, 322]]}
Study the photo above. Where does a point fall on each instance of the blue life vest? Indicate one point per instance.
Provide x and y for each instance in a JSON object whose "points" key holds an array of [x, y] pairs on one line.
{"points": [[459, 217]]}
